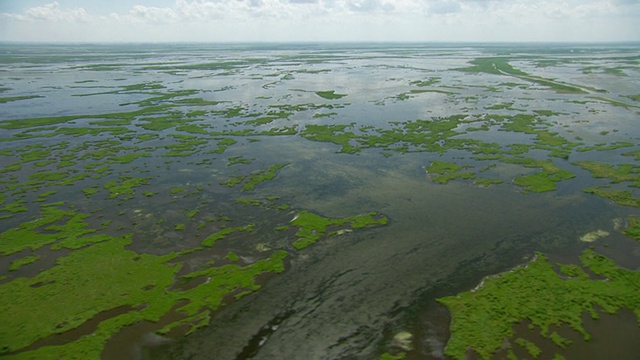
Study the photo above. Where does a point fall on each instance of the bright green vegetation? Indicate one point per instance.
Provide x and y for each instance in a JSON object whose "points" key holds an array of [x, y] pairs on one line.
{"points": [[635, 154], [331, 133], [487, 182], [312, 227], [127, 158], [124, 186], [269, 118], [255, 178], [261, 176], [321, 115], [166, 135], [239, 159], [501, 106], [249, 201], [387, 356], [17, 264], [58, 225], [633, 230], [330, 95], [531, 347], [442, 172], [617, 71], [15, 207], [223, 145], [211, 239], [483, 318], [18, 98], [102, 275], [617, 174], [439, 135], [606, 147], [614, 102], [620, 197], [177, 190], [424, 83], [501, 66], [493, 65], [112, 277], [545, 179], [231, 256]]}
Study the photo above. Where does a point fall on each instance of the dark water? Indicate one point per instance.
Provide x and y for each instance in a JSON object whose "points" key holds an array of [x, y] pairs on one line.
{"points": [[348, 295]]}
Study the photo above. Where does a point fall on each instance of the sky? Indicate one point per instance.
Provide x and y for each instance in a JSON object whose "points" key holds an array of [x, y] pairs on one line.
{"points": [[320, 20]]}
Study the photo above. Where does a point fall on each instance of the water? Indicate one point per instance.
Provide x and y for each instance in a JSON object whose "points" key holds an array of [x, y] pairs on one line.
{"points": [[349, 294]]}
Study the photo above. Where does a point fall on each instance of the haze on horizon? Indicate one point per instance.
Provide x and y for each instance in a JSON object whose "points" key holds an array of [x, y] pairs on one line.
{"points": [[320, 20]]}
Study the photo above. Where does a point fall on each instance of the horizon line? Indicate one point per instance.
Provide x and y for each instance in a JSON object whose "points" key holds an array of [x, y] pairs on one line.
{"points": [[311, 42]]}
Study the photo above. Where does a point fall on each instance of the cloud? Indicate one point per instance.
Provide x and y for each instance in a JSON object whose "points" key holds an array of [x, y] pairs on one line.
{"points": [[444, 7], [52, 12], [331, 20]]}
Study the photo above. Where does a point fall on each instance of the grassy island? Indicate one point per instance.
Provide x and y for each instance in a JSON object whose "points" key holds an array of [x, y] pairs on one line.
{"points": [[483, 319]]}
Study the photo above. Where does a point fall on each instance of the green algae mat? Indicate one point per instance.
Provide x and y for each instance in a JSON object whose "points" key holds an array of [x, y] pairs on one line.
{"points": [[161, 187]]}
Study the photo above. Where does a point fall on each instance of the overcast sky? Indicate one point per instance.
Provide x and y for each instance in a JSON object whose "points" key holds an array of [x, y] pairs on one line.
{"points": [[319, 20]]}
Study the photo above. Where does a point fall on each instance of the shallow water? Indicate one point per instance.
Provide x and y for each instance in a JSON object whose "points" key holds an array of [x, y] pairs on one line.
{"points": [[347, 295]]}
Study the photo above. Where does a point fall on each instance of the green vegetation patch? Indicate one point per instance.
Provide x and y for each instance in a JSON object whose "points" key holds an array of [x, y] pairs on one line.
{"points": [[620, 197], [635, 154], [633, 230], [330, 95], [124, 186], [483, 182], [18, 98], [442, 172], [544, 180], [255, 178], [18, 263], [484, 318], [312, 227], [617, 174], [424, 83], [219, 235], [53, 225], [331, 133], [493, 65], [101, 276], [388, 356], [501, 66]]}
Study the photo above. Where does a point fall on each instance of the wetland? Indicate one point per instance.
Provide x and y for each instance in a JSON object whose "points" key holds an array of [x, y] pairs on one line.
{"points": [[319, 201]]}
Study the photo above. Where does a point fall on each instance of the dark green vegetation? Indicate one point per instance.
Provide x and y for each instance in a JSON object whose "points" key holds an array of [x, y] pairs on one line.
{"points": [[484, 319], [123, 194]]}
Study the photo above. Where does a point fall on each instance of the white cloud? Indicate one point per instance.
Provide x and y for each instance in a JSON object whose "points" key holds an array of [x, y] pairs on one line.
{"points": [[282, 20], [444, 7], [52, 12]]}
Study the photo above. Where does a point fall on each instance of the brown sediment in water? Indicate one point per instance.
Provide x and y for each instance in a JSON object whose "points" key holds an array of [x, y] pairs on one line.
{"points": [[613, 336]]}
